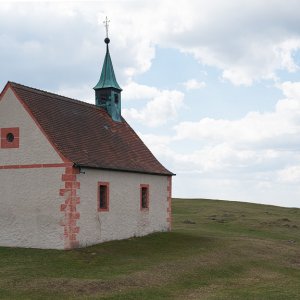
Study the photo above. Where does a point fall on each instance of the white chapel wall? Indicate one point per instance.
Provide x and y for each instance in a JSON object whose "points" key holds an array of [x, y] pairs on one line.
{"points": [[34, 146], [30, 208], [124, 218]]}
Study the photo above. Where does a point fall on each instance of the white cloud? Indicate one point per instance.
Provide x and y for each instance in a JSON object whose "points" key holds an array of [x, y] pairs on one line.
{"points": [[291, 90], [246, 46], [135, 91], [162, 105], [258, 58], [290, 174], [250, 45], [82, 93], [154, 140], [194, 84], [255, 127]]}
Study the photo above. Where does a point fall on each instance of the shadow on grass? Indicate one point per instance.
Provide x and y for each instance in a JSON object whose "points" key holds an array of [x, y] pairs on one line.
{"points": [[155, 243], [104, 260]]}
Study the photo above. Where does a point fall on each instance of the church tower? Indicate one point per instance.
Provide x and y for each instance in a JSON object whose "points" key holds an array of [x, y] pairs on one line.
{"points": [[107, 90]]}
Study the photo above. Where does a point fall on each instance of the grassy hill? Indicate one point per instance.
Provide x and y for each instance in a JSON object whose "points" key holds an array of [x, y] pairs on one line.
{"points": [[217, 250]]}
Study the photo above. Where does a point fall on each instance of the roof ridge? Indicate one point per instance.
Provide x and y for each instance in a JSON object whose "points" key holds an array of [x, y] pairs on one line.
{"points": [[53, 95]]}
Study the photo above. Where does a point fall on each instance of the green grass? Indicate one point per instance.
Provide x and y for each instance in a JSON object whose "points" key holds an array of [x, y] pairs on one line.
{"points": [[217, 250]]}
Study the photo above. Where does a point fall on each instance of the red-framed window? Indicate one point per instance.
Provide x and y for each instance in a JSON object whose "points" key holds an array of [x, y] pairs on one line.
{"points": [[10, 137], [103, 196], [144, 197]]}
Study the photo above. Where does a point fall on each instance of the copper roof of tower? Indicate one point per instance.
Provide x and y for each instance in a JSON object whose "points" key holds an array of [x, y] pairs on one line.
{"points": [[107, 78]]}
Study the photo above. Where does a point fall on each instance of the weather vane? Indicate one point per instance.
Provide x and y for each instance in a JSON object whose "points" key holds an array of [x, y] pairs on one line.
{"points": [[106, 24]]}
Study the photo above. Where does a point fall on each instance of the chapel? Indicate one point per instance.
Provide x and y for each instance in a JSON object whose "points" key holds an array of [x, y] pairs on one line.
{"points": [[74, 174]]}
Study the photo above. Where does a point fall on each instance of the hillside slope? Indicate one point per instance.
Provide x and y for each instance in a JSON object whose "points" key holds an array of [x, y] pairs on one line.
{"points": [[217, 250]]}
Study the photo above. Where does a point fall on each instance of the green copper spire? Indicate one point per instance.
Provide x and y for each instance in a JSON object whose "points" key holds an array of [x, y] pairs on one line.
{"points": [[107, 90], [107, 78]]}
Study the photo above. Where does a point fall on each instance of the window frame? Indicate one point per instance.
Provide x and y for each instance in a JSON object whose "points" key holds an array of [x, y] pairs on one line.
{"points": [[106, 184], [144, 186], [5, 143]]}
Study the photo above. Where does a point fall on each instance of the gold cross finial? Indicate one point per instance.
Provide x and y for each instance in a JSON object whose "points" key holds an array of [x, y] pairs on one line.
{"points": [[106, 24]]}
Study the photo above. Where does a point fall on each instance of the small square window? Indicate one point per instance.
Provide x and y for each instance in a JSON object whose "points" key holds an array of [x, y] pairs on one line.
{"points": [[103, 196], [116, 98], [144, 201], [10, 137]]}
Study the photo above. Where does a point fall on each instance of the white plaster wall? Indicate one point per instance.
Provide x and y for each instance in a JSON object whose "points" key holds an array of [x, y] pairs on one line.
{"points": [[34, 146], [124, 218], [30, 208]]}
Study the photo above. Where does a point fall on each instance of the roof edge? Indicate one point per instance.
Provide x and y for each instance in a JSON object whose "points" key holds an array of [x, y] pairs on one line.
{"points": [[51, 94], [4, 89], [122, 170]]}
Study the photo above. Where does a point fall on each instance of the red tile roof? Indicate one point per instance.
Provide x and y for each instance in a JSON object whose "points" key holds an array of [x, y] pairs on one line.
{"points": [[86, 135]]}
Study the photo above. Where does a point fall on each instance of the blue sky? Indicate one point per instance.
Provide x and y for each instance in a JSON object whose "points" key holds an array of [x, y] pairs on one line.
{"points": [[212, 87]]}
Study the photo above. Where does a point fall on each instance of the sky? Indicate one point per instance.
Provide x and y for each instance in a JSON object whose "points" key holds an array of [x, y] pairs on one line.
{"points": [[211, 87]]}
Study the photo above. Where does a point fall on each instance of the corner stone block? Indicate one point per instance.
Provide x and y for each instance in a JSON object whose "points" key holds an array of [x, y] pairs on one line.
{"points": [[68, 177], [63, 207], [72, 170]]}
